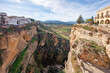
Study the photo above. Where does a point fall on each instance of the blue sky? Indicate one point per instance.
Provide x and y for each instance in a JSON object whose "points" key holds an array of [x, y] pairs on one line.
{"points": [[64, 10]]}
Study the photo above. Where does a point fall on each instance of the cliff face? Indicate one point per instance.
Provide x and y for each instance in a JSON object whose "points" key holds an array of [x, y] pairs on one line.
{"points": [[32, 48], [89, 50], [12, 44]]}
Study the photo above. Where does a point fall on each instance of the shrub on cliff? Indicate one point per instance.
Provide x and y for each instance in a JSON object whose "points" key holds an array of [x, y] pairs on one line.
{"points": [[1, 58]]}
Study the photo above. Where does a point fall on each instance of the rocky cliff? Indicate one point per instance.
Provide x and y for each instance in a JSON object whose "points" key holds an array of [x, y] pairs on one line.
{"points": [[32, 48], [51, 53], [89, 50], [13, 42]]}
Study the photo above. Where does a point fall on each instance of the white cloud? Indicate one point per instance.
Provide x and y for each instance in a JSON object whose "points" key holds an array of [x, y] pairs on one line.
{"points": [[62, 10], [18, 1], [58, 9]]}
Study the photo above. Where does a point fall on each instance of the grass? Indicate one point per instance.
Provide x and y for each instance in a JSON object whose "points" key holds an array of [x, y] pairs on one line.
{"points": [[63, 71], [27, 27], [86, 27], [0, 58], [59, 34], [0, 29], [30, 67], [90, 28], [2, 35], [61, 30], [18, 61], [1, 61], [91, 45], [32, 41], [0, 51], [96, 47], [37, 70], [65, 29]]}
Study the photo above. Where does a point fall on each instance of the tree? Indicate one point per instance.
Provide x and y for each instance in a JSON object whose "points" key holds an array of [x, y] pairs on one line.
{"points": [[92, 20], [89, 21], [80, 20], [32, 19]]}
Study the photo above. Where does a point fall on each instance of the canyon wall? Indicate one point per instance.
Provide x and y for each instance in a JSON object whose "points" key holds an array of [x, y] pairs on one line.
{"points": [[89, 50], [12, 44]]}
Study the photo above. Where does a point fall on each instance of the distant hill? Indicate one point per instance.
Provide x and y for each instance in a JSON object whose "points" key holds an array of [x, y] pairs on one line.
{"points": [[56, 22]]}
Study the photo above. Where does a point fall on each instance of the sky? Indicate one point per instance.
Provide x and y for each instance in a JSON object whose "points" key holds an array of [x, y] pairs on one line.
{"points": [[63, 10]]}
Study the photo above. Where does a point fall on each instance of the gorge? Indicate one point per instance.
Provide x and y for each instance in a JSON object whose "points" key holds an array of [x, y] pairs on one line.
{"points": [[40, 48], [32, 48]]}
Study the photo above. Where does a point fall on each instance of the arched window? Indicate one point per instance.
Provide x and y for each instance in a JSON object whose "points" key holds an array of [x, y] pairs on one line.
{"points": [[107, 22], [101, 22], [98, 16], [102, 15], [97, 22], [107, 13]]}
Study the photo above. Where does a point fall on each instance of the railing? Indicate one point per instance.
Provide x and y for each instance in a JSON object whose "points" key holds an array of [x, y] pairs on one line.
{"points": [[101, 16], [107, 16], [97, 17]]}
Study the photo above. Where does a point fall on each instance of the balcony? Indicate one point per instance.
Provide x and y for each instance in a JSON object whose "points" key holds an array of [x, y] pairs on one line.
{"points": [[97, 17], [107, 16], [101, 16]]}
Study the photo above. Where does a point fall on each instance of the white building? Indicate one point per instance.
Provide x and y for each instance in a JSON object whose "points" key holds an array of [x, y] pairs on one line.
{"points": [[4, 19], [103, 17]]}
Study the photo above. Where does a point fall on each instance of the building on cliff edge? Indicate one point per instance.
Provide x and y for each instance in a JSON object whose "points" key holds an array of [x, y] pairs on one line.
{"points": [[4, 19], [103, 17]]}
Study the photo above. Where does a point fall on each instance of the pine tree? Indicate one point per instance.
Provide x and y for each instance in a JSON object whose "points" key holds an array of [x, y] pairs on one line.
{"points": [[92, 19], [80, 20]]}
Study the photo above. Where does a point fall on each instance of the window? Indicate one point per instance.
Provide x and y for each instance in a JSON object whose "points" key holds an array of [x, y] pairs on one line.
{"points": [[107, 13], [102, 15], [98, 16]]}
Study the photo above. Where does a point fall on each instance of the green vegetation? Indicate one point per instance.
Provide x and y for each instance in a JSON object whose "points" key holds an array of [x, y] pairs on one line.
{"points": [[61, 30], [78, 71], [87, 27], [90, 21], [1, 35], [30, 67], [17, 65], [90, 28], [49, 54], [27, 27], [80, 20], [63, 71], [17, 62], [20, 69], [96, 47], [33, 39], [0, 58], [61, 35], [65, 29], [91, 45], [0, 29], [37, 70]]}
